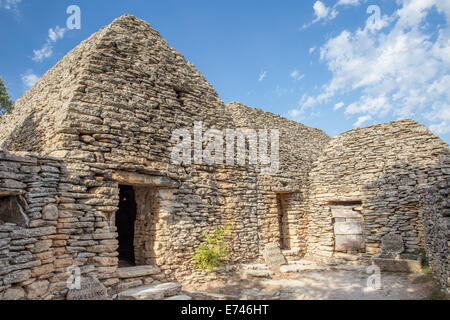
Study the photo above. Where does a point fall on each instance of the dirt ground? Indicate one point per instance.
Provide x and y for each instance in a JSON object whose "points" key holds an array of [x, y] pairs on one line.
{"points": [[324, 284]]}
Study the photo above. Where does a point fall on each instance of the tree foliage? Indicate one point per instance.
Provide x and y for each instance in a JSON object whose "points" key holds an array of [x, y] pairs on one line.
{"points": [[5, 101]]}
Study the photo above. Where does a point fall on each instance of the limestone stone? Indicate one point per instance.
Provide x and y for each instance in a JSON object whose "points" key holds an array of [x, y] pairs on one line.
{"points": [[90, 289], [37, 289], [151, 292], [273, 255], [50, 212], [392, 244], [14, 293], [104, 116]]}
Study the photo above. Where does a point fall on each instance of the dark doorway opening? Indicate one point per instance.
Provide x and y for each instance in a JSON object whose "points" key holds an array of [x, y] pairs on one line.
{"points": [[283, 222], [125, 223]]}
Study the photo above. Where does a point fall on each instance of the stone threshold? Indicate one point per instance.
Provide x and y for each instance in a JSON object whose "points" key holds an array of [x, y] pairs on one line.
{"points": [[137, 271]]}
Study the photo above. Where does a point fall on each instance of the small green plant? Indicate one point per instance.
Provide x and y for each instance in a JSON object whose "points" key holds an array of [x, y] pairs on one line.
{"points": [[213, 252]]}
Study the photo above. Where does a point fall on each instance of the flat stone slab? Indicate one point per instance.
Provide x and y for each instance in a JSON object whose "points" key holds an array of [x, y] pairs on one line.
{"points": [[90, 289], [392, 244], [346, 267], [292, 268], [399, 265], [136, 272], [302, 262], [259, 273], [214, 296], [254, 267], [254, 294], [348, 228], [181, 297], [273, 256], [151, 292], [344, 212]]}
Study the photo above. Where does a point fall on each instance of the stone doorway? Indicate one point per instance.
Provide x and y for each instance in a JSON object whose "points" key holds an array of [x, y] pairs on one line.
{"points": [[283, 220], [125, 223], [348, 227]]}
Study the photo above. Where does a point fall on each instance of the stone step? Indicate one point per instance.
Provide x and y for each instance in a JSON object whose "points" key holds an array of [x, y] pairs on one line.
{"points": [[296, 268], [136, 272], [151, 292], [181, 297], [212, 296], [254, 267], [257, 273]]}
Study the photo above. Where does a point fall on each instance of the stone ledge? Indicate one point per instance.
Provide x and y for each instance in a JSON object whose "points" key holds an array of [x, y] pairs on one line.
{"points": [[136, 272]]}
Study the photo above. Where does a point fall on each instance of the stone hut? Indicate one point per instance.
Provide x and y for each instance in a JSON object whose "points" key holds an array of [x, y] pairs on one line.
{"points": [[87, 177], [379, 181], [97, 128]]}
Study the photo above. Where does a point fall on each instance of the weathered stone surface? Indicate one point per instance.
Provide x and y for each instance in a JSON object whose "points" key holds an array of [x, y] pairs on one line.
{"points": [[350, 242], [11, 211], [181, 297], [91, 289], [107, 111], [15, 293], [300, 268], [139, 271], [273, 256], [37, 289], [137, 179], [399, 265], [344, 212], [348, 228], [392, 245], [17, 276], [151, 292], [50, 212]]}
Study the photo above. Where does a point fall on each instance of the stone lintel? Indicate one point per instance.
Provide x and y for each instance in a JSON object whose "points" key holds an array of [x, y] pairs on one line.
{"points": [[139, 179]]}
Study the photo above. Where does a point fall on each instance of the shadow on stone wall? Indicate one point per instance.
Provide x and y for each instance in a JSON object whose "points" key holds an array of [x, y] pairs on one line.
{"points": [[412, 201]]}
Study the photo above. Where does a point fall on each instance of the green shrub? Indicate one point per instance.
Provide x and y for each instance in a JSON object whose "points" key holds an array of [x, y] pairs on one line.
{"points": [[211, 253]]}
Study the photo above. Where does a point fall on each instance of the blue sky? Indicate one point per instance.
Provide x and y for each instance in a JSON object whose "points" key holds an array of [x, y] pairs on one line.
{"points": [[330, 64]]}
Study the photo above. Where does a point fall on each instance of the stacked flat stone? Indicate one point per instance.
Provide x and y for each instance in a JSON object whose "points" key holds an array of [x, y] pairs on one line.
{"points": [[104, 116], [399, 172]]}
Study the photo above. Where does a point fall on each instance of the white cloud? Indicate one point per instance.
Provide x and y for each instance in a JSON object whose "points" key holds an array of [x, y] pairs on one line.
{"points": [[397, 66], [296, 75], [9, 4], [294, 113], [348, 3], [45, 52], [262, 76], [29, 79], [362, 120], [338, 106], [56, 34], [321, 12], [47, 49], [311, 50], [441, 128]]}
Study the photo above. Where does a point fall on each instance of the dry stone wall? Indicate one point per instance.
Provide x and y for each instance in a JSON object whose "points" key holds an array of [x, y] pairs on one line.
{"points": [[35, 252], [125, 92], [435, 210], [299, 147], [379, 171], [104, 117]]}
